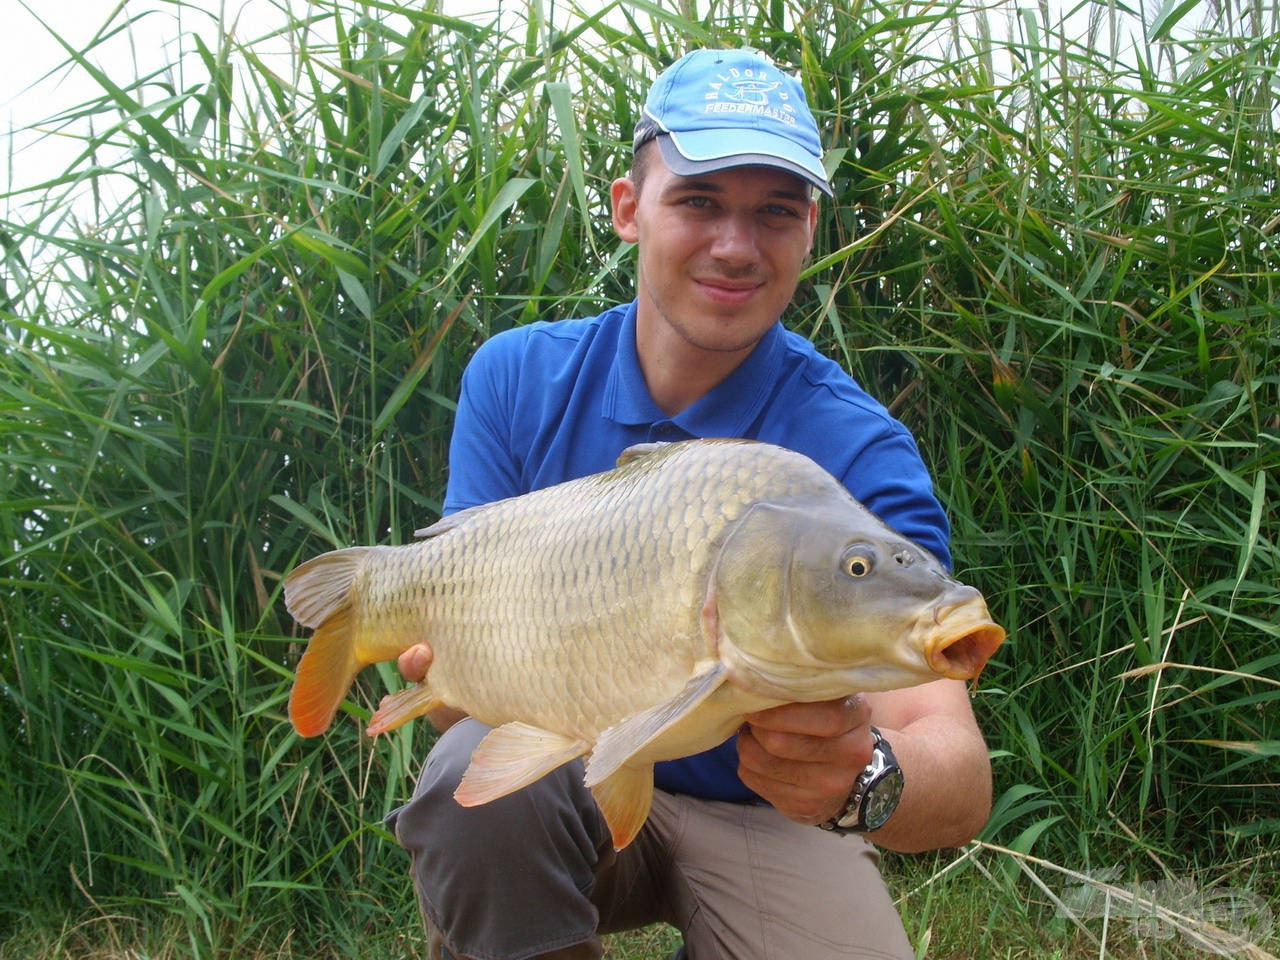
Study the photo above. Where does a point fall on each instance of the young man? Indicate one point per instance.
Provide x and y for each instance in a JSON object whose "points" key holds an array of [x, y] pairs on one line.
{"points": [[753, 849]]}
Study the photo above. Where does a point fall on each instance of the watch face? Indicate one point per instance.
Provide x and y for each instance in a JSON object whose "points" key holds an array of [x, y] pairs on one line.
{"points": [[881, 799]]}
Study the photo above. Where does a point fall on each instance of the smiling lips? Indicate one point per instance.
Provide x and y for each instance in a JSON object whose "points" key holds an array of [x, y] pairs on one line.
{"points": [[729, 290]]}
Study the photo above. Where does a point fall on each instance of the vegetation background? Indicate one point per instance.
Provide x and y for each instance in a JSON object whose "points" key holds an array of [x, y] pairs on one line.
{"points": [[234, 324]]}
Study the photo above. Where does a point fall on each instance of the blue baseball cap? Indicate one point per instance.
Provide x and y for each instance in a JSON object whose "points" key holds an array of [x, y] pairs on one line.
{"points": [[715, 109]]}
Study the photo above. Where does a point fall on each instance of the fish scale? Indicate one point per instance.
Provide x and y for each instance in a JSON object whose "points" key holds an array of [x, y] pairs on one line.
{"points": [[636, 615], [555, 591]]}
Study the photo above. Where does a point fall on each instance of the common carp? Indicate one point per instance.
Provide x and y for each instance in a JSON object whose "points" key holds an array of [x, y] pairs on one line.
{"points": [[636, 615]]}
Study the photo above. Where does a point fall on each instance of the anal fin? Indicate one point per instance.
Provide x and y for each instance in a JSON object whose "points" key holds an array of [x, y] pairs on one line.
{"points": [[512, 756], [625, 799], [399, 708]]}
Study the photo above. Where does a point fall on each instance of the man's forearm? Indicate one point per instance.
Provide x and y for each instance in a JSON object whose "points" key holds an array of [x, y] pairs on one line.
{"points": [[946, 796]]}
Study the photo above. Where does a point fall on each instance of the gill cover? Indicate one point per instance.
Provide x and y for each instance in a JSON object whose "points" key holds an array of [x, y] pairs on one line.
{"points": [[752, 582]]}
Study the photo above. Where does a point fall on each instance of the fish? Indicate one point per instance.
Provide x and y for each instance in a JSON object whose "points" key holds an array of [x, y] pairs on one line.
{"points": [[635, 615]]}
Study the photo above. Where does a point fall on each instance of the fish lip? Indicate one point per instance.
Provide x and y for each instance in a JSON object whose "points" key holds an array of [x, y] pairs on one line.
{"points": [[970, 639]]}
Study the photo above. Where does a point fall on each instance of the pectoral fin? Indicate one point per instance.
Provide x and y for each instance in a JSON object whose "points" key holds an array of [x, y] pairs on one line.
{"points": [[625, 738], [512, 756], [625, 799], [399, 708]]}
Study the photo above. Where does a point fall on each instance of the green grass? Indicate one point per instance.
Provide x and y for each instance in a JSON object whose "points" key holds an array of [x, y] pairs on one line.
{"points": [[956, 906], [233, 329]]}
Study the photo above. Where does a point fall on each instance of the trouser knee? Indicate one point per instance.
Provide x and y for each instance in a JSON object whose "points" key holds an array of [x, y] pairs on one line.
{"points": [[434, 821], [506, 875]]}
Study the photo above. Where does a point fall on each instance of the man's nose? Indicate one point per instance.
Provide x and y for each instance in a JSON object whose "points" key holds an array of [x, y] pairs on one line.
{"points": [[735, 240]]}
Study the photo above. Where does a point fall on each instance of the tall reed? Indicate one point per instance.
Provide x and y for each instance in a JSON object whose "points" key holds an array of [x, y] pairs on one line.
{"points": [[1057, 266]]}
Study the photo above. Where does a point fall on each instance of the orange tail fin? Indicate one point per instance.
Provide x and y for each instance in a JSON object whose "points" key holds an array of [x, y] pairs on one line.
{"points": [[324, 676], [318, 594]]}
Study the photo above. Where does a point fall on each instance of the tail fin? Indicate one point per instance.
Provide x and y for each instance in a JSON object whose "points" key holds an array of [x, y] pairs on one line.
{"points": [[318, 594]]}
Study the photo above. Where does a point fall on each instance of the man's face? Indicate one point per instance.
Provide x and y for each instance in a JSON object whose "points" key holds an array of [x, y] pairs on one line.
{"points": [[719, 254]]}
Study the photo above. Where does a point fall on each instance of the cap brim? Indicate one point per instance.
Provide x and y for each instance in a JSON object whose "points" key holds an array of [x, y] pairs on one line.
{"points": [[689, 154]]}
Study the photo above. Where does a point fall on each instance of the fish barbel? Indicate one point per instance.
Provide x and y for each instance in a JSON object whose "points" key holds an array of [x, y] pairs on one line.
{"points": [[636, 615]]}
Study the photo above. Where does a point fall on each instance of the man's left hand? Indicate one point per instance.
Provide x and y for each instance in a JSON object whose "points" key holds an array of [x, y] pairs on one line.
{"points": [[804, 758]]}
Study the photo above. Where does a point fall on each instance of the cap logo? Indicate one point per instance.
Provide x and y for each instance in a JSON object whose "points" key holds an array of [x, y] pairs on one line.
{"points": [[747, 91], [716, 109]]}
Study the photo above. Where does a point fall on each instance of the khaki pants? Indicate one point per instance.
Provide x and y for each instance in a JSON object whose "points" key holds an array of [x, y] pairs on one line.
{"points": [[533, 874]]}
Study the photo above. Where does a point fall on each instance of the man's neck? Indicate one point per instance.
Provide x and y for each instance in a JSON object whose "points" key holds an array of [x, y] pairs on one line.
{"points": [[678, 374]]}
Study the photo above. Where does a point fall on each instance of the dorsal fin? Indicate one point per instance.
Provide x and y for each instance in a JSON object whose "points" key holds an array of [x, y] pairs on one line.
{"points": [[638, 451]]}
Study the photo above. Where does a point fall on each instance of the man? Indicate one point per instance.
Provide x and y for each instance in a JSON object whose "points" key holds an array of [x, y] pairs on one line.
{"points": [[752, 849]]}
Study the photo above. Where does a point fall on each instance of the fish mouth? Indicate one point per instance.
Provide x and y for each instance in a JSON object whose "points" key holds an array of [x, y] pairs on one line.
{"points": [[967, 639]]}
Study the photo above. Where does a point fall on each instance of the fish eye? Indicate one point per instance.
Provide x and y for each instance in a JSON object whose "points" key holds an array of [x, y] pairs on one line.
{"points": [[859, 561]]}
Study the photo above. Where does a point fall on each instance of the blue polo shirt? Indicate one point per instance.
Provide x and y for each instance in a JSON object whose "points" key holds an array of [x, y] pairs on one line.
{"points": [[554, 401]]}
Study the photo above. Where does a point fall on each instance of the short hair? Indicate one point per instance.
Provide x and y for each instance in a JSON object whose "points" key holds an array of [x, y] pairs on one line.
{"points": [[640, 163]]}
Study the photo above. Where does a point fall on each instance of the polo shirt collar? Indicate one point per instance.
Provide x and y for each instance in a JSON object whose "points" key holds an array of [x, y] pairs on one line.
{"points": [[728, 410]]}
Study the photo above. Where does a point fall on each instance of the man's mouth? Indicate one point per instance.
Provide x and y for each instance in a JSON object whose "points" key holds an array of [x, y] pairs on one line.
{"points": [[723, 289]]}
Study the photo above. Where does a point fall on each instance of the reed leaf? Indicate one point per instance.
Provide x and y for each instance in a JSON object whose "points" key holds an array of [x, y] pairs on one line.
{"points": [[234, 326]]}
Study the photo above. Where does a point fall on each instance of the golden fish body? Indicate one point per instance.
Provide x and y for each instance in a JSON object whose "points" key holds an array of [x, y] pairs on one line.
{"points": [[636, 615]]}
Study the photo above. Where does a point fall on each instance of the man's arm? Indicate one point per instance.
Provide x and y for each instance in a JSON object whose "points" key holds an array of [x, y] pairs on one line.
{"points": [[804, 758]]}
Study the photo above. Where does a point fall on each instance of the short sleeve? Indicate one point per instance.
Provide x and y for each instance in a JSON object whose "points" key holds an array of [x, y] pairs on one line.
{"points": [[891, 480], [482, 461]]}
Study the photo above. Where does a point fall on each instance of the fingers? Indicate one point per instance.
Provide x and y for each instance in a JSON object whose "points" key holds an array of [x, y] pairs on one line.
{"points": [[807, 791], [804, 758], [827, 718], [414, 662], [799, 757], [847, 749]]}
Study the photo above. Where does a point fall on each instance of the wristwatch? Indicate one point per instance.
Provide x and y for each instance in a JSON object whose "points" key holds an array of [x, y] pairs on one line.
{"points": [[875, 794]]}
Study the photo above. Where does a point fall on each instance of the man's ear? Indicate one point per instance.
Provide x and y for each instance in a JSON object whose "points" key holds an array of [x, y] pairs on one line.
{"points": [[624, 195]]}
